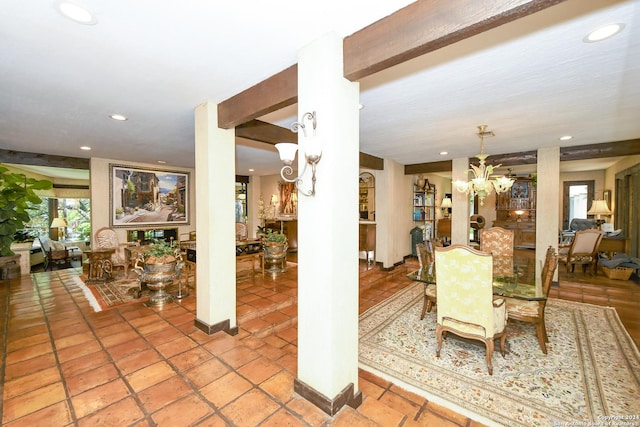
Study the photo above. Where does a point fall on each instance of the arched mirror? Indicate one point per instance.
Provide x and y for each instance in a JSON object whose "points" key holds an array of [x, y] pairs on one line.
{"points": [[367, 197]]}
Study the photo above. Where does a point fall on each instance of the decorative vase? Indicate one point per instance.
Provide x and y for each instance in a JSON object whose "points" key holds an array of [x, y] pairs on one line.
{"points": [[275, 255]]}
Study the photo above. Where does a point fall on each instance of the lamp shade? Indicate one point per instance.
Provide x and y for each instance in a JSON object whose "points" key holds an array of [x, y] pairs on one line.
{"points": [[58, 222], [599, 207], [287, 151], [446, 203]]}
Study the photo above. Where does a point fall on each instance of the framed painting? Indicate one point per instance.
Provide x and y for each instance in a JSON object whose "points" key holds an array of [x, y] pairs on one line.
{"points": [[147, 197]]}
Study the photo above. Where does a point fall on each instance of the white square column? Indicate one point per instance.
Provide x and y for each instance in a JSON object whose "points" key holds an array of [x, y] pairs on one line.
{"points": [[328, 232], [547, 202], [215, 237], [459, 203]]}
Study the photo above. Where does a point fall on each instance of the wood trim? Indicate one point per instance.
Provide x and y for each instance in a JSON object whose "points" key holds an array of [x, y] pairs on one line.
{"points": [[37, 159], [371, 162], [432, 167], [595, 151], [272, 94], [71, 186], [217, 327], [258, 130], [329, 406], [427, 25]]}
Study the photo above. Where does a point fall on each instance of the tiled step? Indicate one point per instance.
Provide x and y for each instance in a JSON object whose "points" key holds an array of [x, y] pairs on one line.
{"points": [[270, 319]]}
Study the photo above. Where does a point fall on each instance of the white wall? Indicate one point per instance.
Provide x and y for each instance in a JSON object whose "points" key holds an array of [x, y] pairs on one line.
{"points": [[100, 191]]}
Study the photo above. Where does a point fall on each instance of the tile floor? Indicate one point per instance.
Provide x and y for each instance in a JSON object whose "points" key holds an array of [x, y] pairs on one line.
{"points": [[63, 364]]}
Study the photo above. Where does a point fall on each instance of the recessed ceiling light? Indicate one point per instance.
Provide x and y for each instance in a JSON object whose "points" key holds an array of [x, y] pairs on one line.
{"points": [[360, 106], [444, 153], [76, 13], [162, 162], [603, 33], [118, 117], [565, 138], [85, 148], [252, 170]]}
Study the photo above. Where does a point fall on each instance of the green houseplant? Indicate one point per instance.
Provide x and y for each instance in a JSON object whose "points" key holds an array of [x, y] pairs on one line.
{"points": [[275, 236], [275, 251], [17, 192], [161, 252]]}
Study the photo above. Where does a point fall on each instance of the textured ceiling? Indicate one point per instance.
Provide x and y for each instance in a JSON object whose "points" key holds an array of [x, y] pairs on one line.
{"points": [[531, 81]]}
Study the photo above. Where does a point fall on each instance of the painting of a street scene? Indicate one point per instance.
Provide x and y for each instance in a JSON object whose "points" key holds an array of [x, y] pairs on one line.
{"points": [[148, 197]]}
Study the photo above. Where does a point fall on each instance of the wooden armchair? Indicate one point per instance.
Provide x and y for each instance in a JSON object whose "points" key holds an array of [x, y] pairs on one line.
{"points": [[533, 311], [582, 251], [427, 260], [107, 238], [55, 253], [465, 299]]}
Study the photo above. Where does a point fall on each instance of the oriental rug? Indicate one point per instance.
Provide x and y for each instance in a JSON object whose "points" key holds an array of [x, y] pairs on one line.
{"points": [[590, 375]]}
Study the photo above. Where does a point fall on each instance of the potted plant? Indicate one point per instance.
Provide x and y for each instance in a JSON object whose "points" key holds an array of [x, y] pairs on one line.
{"points": [[161, 264], [275, 251], [16, 193]]}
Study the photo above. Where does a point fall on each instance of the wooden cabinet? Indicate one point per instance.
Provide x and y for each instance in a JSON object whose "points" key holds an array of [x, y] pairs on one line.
{"points": [[424, 207], [367, 197], [367, 240], [516, 210]]}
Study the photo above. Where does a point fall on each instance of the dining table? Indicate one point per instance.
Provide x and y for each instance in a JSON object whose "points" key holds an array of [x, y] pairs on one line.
{"points": [[514, 277]]}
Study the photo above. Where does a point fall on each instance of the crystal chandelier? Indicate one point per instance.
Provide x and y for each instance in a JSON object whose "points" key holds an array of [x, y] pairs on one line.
{"points": [[483, 182]]}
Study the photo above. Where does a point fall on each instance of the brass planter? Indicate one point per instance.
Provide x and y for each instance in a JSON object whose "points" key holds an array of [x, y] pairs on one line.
{"points": [[275, 257]]}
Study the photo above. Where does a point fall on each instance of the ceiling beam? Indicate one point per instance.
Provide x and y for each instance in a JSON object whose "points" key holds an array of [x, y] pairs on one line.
{"points": [[36, 159], [425, 26], [579, 152], [257, 130], [596, 151], [272, 94], [368, 161]]}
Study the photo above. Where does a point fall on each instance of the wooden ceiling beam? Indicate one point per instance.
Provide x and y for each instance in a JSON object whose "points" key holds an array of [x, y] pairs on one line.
{"points": [[580, 152], [272, 94], [368, 161], [257, 130], [37, 159], [425, 26]]}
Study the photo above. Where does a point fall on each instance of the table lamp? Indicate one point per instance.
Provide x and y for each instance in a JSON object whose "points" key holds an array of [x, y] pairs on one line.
{"points": [[60, 224], [445, 205], [598, 208]]}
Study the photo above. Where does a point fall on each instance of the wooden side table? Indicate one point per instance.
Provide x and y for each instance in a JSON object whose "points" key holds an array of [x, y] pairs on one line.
{"points": [[100, 266]]}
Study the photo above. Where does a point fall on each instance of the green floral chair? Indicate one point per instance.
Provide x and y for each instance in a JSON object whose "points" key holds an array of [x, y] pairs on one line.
{"points": [[465, 299]]}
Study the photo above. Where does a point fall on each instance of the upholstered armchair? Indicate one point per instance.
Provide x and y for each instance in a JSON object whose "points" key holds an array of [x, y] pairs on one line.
{"points": [[241, 231], [107, 238], [498, 242], [55, 253], [582, 251], [465, 299], [533, 311]]}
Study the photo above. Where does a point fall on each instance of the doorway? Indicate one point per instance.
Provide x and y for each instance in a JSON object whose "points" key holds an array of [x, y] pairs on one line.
{"points": [[575, 200]]}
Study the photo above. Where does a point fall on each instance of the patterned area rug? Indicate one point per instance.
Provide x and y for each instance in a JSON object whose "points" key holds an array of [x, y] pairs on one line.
{"points": [[591, 371]]}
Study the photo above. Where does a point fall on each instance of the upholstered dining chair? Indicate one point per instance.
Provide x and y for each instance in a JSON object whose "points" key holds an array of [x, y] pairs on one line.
{"points": [[241, 231], [498, 242], [582, 251], [533, 311], [465, 299], [427, 260], [107, 238]]}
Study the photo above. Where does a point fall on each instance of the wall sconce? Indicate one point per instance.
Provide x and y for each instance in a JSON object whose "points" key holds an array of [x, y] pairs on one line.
{"points": [[313, 152], [445, 205], [60, 224]]}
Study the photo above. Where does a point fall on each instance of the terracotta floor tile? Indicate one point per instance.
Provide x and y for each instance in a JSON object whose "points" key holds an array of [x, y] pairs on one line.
{"points": [[239, 356], [188, 410], [206, 372], [370, 389], [381, 412], [55, 415], [122, 413], [176, 346], [90, 379], [29, 353], [310, 413], [30, 382], [259, 370], [161, 394], [28, 341], [120, 338], [348, 417], [28, 366], [150, 375], [71, 353], [262, 407], [74, 340], [212, 421], [163, 336], [283, 418], [225, 389], [289, 362], [279, 387], [220, 343], [32, 402], [190, 358], [128, 348], [99, 397], [138, 361], [84, 363], [446, 413]]}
